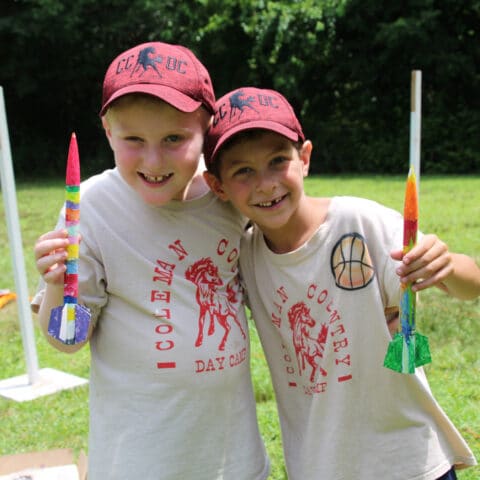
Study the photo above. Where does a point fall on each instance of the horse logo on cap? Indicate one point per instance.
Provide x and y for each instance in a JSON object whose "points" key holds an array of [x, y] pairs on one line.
{"points": [[237, 103], [144, 61]]}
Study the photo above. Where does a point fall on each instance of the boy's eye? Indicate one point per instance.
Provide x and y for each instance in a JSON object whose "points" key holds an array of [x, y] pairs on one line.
{"points": [[173, 138], [242, 171], [279, 160], [133, 139]]}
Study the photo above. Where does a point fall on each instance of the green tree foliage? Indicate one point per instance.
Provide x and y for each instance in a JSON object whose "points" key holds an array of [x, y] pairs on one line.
{"points": [[377, 44], [344, 64]]}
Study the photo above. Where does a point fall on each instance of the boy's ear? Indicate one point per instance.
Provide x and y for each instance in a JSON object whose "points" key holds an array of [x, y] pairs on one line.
{"points": [[106, 127], [215, 185], [305, 154]]}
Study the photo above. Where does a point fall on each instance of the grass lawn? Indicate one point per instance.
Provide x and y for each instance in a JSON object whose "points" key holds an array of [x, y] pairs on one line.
{"points": [[449, 207]]}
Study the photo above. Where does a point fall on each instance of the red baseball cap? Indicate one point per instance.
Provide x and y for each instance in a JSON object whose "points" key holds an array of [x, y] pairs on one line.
{"points": [[169, 72], [250, 108]]}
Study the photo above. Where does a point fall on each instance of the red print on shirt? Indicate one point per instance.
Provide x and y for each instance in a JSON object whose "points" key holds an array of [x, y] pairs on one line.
{"points": [[313, 336], [308, 349], [213, 303]]}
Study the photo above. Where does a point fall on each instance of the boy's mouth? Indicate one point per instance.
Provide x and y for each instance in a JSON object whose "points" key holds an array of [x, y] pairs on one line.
{"points": [[154, 178], [271, 203]]}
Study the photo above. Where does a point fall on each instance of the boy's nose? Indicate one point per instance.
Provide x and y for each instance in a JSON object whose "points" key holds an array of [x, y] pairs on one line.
{"points": [[266, 183], [153, 157]]}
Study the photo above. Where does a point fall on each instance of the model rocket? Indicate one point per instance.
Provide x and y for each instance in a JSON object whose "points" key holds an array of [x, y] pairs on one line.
{"points": [[408, 349], [69, 323]]}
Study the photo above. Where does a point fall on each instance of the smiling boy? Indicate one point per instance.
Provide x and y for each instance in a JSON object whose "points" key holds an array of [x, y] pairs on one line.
{"points": [[320, 274], [158, 269]]}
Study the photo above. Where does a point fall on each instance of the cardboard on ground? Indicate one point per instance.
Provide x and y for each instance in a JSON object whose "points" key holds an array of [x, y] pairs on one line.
{"points": [[49, 465]]}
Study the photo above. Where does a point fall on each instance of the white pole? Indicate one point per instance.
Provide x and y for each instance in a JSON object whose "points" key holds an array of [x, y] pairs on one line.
{"points": [[415, 123], [13, 226]]}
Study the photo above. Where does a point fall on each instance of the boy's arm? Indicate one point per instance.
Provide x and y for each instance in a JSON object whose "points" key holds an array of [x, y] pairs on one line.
{"points": [[464, 281], [430, 263]]}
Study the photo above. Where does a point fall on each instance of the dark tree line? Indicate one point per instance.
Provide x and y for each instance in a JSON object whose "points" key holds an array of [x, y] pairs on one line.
{"points": [[344, 64]]}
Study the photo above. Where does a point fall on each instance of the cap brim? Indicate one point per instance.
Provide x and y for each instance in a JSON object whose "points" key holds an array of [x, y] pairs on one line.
{"points": [[252, 125], [175, 98]]}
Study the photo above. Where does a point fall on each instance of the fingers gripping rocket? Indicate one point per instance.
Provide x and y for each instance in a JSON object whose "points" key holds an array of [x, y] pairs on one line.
{"points": [[70, 323]]}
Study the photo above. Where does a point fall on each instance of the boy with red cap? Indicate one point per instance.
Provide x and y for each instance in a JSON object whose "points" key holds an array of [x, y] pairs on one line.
{"points": [[170, 388], [319, 279]]}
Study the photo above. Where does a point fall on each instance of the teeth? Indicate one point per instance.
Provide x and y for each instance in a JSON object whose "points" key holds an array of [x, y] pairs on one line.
{"points": [[153, 179], [269, 204]]}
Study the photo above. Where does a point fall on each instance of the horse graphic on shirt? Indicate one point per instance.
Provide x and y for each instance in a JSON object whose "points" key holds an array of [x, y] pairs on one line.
{"points": [[308, 349], [214, 304]]}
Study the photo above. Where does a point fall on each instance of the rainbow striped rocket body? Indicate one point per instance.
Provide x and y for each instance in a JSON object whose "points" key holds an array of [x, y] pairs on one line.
{"points": [[69, 323], [410, 227], [408, 349]]}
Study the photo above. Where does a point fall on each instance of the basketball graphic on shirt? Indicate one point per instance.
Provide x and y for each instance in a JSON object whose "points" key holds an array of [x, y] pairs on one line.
{"points": [[351, 263]]}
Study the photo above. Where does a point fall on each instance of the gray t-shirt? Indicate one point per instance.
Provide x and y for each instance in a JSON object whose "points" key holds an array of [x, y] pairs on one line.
{"points": [[170, 387]]}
